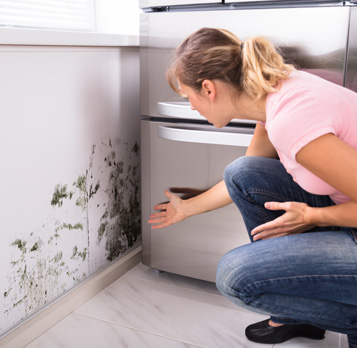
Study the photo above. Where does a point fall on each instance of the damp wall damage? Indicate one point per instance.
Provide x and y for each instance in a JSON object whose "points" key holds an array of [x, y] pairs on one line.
{"points": [[93, 220], [114, 206]]}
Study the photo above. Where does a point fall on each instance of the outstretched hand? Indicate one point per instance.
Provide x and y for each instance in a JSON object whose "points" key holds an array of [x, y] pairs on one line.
{"points": [[170, 213], [291, 222]]}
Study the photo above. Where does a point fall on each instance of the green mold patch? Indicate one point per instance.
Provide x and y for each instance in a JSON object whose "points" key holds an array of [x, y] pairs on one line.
{"points": [[67, 226], [79, 254], [59, 195], [81, 183], [20, 244]]}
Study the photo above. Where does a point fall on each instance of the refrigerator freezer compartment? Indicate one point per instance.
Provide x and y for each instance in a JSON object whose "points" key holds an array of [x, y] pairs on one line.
{"points": [[192, 247]]}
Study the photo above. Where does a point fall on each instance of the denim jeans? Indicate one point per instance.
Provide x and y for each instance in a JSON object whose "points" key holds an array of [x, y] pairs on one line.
{"points": [[300, 278]]}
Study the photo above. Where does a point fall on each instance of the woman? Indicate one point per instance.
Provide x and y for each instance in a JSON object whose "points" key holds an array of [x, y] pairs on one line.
{"points": [[296, 188]]}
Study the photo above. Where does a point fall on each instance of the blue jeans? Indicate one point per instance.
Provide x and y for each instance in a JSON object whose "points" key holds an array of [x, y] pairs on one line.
{"points": [[301, 278]]}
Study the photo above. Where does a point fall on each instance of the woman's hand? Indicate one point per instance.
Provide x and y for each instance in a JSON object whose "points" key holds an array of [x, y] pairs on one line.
{"points": [[170, 213], [294, 220], [179, 209]]}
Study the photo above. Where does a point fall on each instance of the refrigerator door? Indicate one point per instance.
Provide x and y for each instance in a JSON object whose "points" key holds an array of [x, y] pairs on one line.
{"points": [[159, 3], [188, 159], [314, 38], [351, 66]]}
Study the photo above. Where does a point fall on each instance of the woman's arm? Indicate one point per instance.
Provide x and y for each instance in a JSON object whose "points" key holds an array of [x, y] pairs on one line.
{"points": [[334, 162], [177, 210], [260, 144]]}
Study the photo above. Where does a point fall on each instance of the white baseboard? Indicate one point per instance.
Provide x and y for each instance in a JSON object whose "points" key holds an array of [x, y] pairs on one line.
{"points": [[43, 320]]}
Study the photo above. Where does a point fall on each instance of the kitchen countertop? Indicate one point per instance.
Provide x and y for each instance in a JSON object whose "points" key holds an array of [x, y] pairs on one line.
{"points": [[18, 36]]}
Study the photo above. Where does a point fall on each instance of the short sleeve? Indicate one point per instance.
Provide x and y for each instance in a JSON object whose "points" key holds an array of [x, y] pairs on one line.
{"points": [[300, 120], [308, 137]]}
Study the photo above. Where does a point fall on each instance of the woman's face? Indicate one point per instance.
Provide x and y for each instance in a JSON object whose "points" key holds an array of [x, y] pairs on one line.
{"points": [[200, 102]]}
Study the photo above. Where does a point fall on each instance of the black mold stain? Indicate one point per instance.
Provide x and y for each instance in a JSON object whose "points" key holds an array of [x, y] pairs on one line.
{"points": [[35, 247], [121, 223], [92, 191], [135, 148]]}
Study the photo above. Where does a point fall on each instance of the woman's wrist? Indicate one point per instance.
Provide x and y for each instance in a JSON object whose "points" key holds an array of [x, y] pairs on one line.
{"points": [[188, 207], [317, 216], [312, 216]]}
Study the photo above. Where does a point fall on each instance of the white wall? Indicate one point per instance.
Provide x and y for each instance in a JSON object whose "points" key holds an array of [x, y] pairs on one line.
{"points": [[117, 16], [69, 179]]}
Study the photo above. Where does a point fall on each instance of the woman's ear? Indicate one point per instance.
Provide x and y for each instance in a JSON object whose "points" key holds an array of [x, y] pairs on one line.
{"points": [[209, 89]]}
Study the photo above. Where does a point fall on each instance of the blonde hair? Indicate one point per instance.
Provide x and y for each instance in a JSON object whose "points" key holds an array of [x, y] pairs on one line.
{"points": [[255, 66]]}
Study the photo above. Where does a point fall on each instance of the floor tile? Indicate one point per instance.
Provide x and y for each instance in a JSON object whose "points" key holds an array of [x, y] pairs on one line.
{"points": [[146, 273], [332, 339], [343, 341], [148, 309], [181, 314], [77, 331]]}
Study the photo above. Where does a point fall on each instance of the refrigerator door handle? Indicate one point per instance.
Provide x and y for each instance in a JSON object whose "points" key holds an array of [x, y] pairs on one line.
{"points": [[177, 109], [194, 135], [183, 110]]}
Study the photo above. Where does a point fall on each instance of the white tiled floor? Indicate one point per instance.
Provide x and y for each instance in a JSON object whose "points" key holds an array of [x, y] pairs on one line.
{"points": [[147, 309]]}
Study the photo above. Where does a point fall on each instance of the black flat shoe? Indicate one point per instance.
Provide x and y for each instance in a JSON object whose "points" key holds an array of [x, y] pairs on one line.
{"points": [[262, 332]]}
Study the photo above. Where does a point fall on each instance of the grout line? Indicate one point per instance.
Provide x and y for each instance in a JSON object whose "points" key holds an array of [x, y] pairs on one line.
{"points": [[139, 330]]}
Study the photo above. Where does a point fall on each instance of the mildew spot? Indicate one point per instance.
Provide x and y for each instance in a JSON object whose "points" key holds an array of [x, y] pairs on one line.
{"points": [[20, 244], [35, 247], [58, 257], [59, 195], [92, 191]]}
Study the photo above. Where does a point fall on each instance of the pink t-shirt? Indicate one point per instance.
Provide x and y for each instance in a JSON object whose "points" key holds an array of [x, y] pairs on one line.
{"points": [[305, 108]]}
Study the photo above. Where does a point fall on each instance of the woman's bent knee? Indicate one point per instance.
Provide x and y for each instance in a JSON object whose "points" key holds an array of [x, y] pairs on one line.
{"points": [[240, 165], [247, 171], [230, 271], [234, 277]]}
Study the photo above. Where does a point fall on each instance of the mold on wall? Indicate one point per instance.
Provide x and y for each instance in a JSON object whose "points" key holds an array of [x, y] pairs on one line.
{"points": [[115, 205], [94, 219], [69, 169]]}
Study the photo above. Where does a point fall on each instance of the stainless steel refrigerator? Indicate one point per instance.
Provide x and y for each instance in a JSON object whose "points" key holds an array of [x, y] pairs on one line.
{"points": [[181, 151]]}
